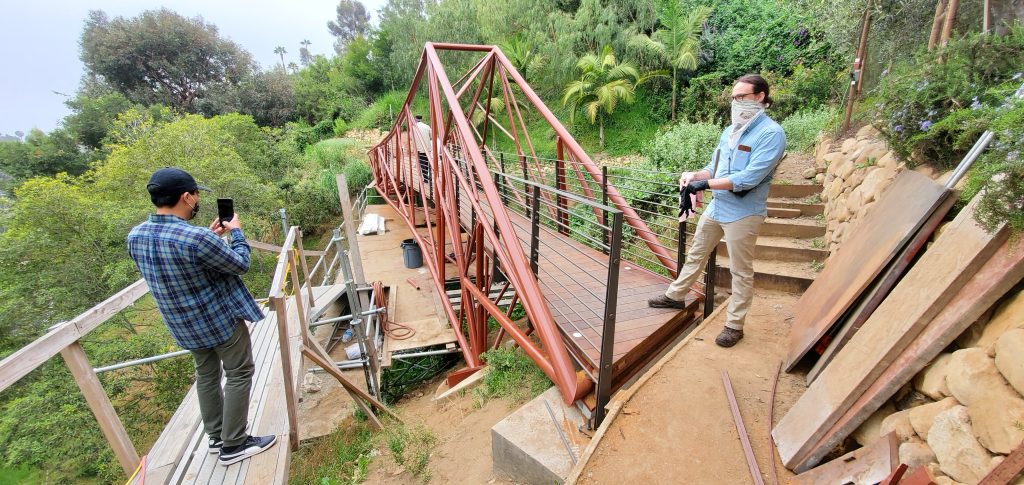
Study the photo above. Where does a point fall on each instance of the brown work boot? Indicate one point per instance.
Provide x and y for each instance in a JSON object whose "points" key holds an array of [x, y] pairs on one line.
{"points": [[662, 301], [728, 337]]}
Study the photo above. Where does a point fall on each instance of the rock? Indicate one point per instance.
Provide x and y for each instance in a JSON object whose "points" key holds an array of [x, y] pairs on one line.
{"points": [[935, 470], [875, 183], [855, 178], [868, 432], [311, 383], [842, 215], [867, 131], [832, 160], [996, 410], [834, 189], [946, 481], [1008, 315], [819, 179], [922, 417], [888, 160], [848, 145], [856, 200], [915, 453], [900, 423], [871, 154], [845, 169], [973, 334], [823, 147], [810, 173], [1009, 359], [864, 208], [952, 440], [931, 381]]}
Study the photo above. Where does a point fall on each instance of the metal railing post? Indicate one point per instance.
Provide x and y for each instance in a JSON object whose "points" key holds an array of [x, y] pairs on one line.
{"points": [[604, 202], [604, 376], [535, 229], [709, 283], [284, 223], [367, 350]]}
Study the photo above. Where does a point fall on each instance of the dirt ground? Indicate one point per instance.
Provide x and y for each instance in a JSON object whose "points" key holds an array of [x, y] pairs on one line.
{"points": [[667, 435], [791, 169]]}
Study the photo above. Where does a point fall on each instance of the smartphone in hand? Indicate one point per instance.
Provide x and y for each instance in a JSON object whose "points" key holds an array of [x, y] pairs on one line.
{"points": [[225, 210]]}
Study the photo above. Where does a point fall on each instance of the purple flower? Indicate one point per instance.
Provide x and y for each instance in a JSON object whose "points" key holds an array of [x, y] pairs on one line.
{"points": [[898, 128], [925, 125]]}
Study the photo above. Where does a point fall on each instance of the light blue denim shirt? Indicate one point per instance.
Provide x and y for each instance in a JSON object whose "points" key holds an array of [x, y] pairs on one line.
{"points": [[750, 166]]}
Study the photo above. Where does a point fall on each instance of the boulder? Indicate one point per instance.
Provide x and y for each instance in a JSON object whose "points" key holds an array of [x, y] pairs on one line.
{"points": [[856, 177], [871, 154], [810, 173], [848, 145], [996, 410], [834, 189], [931, 381], [845, 170], [1008, 315], [900, 423], [311, 383], [876, 181], [959, 453], [888, 160], [823, 147], [866, 132], [867, 432], [922, 417], [856, 200], [832, 160], [819, 179], [1010, 359], [915, 453]]}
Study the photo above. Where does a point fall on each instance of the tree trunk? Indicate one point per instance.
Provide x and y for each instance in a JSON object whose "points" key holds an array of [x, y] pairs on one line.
{"points": [[674, 81], [947, 26], [601, 131], [940, 11]]}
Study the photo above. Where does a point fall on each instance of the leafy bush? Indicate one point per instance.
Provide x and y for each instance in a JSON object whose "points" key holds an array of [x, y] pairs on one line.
{"points": [[806, 88], [802, 128], [382, 112], [340, 127], [999, 172], [685, 146], [910, 106], [704, 99]]}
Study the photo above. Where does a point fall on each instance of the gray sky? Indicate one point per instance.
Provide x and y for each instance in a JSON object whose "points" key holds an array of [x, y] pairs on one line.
{"points": [[40, 40]]}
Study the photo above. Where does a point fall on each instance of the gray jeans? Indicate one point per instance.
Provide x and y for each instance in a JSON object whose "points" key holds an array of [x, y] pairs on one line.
{"points": [[225, 411]]}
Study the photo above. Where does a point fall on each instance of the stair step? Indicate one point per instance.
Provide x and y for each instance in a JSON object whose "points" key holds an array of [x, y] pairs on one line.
{"points": [[770, 251], [791, 277], [793, 191], [801, 228], [805, 209], [784, 213]]}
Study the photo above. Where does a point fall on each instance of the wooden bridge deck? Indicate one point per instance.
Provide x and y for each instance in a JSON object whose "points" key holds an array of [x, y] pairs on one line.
{"points": [[181, 453]]}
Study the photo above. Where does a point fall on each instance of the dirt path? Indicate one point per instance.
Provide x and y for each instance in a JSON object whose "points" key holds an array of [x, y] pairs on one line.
{"points": [[678, 428]]}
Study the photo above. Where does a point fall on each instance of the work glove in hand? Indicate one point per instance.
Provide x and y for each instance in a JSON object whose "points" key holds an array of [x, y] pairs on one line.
{"points": [[698, 186], [685, 203]]}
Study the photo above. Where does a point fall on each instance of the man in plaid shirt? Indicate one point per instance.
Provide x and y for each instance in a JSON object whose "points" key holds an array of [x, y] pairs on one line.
{"points": [[194, 277]]}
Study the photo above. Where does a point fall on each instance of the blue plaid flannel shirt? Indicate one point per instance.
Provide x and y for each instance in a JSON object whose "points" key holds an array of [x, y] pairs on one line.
{"points": [[194, 278]]}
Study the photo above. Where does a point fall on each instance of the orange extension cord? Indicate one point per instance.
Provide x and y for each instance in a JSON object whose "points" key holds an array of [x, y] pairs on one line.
{"points": [[394, 330]]}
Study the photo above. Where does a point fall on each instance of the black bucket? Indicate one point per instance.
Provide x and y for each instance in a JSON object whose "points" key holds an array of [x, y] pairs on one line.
{"points": [[412, 254]]}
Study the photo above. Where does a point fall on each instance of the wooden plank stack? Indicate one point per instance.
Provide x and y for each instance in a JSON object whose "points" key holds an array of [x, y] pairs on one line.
{"points": [[957, 279]]}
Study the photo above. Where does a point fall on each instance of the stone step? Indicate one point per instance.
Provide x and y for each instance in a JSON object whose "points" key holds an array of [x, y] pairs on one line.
{"points": [[794, 191], [804, 208], [800, 228], [791, 277], [772, 249]]}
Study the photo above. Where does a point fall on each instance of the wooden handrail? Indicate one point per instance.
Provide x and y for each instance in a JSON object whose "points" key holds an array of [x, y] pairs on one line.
{"points": [[262, 246]]}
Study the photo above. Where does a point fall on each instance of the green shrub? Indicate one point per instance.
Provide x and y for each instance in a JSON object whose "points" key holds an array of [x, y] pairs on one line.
{"points": [[909, 107], [357, 172], [382, 112], [802, 128], [685, 146], [805, 89], [513, 376], [704, 99], [340, 127], [999, 172]]}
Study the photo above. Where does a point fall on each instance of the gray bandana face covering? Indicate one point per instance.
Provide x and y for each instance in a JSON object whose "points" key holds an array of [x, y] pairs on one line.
{"points": [[743, 112]]}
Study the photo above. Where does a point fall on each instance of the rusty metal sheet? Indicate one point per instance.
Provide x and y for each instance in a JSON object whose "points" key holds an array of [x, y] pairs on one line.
{"points": [[881, 234]]}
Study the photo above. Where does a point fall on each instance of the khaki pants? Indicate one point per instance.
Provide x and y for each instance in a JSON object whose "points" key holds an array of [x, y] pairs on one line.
{"points": [[740, 240], [225, 411]]}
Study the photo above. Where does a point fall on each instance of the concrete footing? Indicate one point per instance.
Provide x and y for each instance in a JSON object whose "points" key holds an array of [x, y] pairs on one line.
{"points": [[526, 448]]}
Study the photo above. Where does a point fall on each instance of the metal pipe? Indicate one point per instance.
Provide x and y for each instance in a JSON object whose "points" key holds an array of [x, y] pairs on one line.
{"points": [[284, 222], [146, 360], [425, 353]]}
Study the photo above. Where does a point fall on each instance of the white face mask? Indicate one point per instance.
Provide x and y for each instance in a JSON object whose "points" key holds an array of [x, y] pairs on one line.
{"points": [[745, 110]]}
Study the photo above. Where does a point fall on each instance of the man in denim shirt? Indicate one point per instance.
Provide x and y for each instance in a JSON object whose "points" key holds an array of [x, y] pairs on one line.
{"points": [[739, 176], [194, 277]]}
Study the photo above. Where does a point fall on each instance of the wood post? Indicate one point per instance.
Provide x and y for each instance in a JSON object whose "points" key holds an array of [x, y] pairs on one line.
{"points": [[986, 16], [947, 26], [940, 14], [294, 273], [290, 396], [305, 271], [350, 229], [99, 403], [857, 75]]}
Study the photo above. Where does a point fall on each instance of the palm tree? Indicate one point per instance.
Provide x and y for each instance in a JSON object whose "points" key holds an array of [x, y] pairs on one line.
{"points": [[603, 83], [677, 41], [304, 56], [280, 51], [522, 55]]}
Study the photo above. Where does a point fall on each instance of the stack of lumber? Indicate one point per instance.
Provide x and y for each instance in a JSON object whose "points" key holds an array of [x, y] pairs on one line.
{"points": [[960, 276]]}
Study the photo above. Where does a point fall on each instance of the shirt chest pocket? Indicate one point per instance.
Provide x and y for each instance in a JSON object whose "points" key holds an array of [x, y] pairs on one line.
{"points": [[740, 158]]}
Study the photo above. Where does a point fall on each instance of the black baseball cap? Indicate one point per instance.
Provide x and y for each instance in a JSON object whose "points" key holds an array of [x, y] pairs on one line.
{"points": [[173, 181]]}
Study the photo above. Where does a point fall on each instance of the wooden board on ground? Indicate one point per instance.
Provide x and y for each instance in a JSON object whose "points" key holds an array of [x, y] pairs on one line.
{"points": [[873, 297], [1002, 271], [868, 464], [429, 332], [897, 215], [924, 291]]}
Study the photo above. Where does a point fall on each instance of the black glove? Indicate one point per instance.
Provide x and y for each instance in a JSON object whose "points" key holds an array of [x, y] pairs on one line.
{"points": [[685, 204], [741, 193], [698, 186]]}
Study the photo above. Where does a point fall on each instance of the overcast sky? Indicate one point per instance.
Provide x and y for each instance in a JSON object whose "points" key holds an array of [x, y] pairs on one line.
{"points": [[40, 40]]}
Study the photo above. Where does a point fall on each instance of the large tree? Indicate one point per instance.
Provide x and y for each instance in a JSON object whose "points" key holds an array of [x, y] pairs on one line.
{"points": [[603, 84], [677, 42], [351, 20], [161, 57]]}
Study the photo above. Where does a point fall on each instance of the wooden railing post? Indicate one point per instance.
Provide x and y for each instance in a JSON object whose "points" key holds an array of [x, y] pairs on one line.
{"points": [[294, 273], [99, 403], [291, 398], [305, 271], [350, 229]]}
